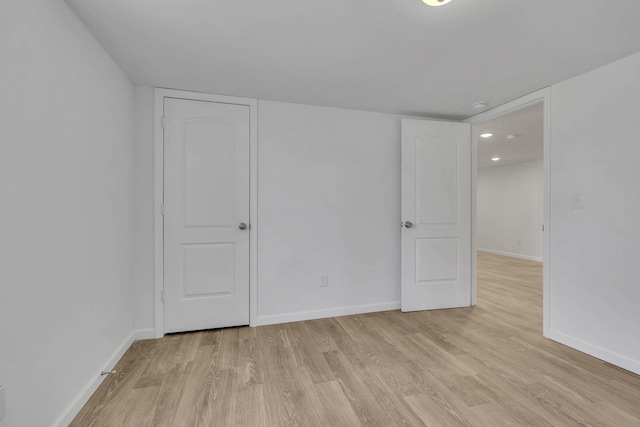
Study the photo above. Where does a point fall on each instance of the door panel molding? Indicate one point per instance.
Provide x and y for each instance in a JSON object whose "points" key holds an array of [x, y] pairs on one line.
{"points": [[160, 95], [436, 210]]}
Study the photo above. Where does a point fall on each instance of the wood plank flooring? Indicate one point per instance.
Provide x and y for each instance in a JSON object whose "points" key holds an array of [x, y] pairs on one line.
{"points": [[482, 366]]}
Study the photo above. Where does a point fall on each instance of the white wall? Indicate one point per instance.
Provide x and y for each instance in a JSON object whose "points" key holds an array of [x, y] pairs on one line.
{"points": [[143, 190], [509, 209], [595, 151], [328, 203], [66, 214], [329, 200]]}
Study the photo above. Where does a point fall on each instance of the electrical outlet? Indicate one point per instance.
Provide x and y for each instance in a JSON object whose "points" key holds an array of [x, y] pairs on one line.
{"points": [[324, 280], [3, 407]]}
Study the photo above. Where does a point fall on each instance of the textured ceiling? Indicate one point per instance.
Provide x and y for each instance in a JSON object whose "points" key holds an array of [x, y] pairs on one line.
{"points": [[396, 56]]}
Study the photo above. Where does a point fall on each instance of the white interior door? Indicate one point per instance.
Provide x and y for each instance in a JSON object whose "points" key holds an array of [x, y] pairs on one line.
{"points": [[206, 220], [436, 215]]}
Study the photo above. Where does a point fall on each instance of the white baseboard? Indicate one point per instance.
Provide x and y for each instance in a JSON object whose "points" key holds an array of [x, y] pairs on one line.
{"points": [[511, 254], [79, 401], [144, 334], [620, 360], [321, 314]]}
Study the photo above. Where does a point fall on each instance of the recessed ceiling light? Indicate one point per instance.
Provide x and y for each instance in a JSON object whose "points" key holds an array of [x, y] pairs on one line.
{"points": [[436, 2], [478, 106], [513, 135], [495, 159], [486, 135]]}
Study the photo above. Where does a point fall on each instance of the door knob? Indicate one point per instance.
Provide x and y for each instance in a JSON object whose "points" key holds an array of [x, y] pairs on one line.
{"points": [[408, 224], [242, 226]]}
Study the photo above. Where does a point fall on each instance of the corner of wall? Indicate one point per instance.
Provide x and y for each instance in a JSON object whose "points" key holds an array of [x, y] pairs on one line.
{"points": [[92, 384]]}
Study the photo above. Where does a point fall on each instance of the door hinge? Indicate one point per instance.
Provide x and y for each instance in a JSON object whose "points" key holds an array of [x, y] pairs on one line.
{"points": [[162, 295], [162, 209], [162, 122]]}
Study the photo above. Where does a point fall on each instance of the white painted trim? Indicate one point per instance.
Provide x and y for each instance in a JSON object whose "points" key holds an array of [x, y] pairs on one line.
{"points": [[544, 96], [546, 220], [158, 219], [159, 95], [332, 312], [92, 385], [516, 104], [144, 334], [620, 360], [474, 212], [510, 254], [253, 215]]}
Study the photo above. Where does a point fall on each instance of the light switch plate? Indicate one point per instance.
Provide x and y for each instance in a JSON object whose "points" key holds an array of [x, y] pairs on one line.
{"points": [[324, 280], [576, 201], [3, 409]]}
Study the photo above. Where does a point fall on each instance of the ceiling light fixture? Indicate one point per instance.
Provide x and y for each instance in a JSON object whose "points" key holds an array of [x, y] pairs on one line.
{"points": [[495, 159], [486, 135], [436, 2], [513, 135], [478, 106]]}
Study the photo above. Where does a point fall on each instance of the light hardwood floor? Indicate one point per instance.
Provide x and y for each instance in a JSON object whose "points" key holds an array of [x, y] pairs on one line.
{"points": [[483, 366]]}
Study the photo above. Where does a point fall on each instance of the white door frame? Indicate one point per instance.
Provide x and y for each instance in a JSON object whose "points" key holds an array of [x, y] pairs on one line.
{"points": [[158, 178], [544, 96]]}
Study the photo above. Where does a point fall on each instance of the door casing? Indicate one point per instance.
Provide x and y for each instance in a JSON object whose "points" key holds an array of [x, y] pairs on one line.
{"points": [[158, 219]]}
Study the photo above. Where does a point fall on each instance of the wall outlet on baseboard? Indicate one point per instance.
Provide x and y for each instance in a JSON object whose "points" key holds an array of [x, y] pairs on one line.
{"points": [[324, 280], [3, 407]]}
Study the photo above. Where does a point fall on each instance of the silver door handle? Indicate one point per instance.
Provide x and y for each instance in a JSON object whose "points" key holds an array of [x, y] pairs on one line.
{"points": [[408, 224], [242, 226]]}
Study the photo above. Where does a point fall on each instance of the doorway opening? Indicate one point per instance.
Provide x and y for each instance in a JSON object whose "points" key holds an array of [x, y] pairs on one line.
{"points": [[510, 207]]}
